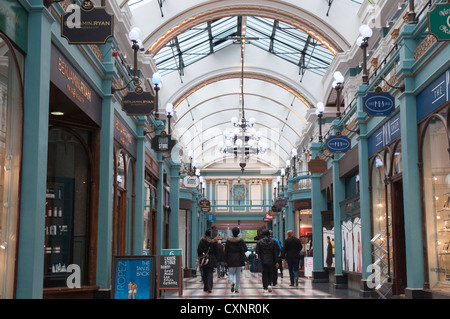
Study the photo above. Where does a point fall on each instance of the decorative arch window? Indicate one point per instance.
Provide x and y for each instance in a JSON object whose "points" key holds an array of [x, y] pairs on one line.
{"points": [[435, 170], [11, 126]]}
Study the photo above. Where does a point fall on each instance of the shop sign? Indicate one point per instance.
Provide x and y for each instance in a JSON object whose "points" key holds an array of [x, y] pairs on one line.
{"points": [[433, 96], [280, 203], [439, 21], [272, 213], [378, 104], [67, 79], [317, 166], [205, 205], [338, 143], [191, 181], [163, 142], [138, 102], [14, 22], [124, 137], [267, 216], [384, 135], [86, 24], [211, 218]]}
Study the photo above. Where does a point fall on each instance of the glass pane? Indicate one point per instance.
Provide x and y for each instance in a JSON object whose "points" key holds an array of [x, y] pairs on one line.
{"points": [[436, 172], [67, 207], [10, 162]]}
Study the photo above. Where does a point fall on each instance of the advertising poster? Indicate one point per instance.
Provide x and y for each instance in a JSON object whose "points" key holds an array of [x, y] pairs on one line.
{"points": [[328, 247], [134, 277], [351, 245]]}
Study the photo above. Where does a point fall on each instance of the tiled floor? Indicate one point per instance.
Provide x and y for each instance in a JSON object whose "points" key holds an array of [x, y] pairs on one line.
{"points": [[251, 288]]}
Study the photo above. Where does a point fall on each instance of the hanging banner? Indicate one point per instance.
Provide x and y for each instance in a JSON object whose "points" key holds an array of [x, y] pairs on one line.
{"points": [[86, 24], [338, 143], [378, 104], [439, 21]]}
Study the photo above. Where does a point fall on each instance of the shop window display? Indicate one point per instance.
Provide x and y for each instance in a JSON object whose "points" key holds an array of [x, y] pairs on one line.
{"points": [[11, 122], [67, 205], [436, 188]]}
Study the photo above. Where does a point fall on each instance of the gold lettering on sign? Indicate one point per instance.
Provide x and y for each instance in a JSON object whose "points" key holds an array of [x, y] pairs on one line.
{"points": [[76, 82], [125, 137]]}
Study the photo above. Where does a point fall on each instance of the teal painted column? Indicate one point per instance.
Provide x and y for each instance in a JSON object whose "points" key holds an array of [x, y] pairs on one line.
{"points": [[104, 248], [287, 194], [139, 200], [410, 159], [364, 188], [30, 266], [318, 203], [174, 205], [160, 206], [194, 232], [338, 196]]}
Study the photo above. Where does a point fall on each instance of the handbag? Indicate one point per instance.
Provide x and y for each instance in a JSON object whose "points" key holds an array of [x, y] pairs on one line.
{"points": [[203, 260]]}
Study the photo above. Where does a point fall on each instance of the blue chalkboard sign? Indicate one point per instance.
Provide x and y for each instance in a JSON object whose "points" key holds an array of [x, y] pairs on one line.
{"points": [[378, 104], [134, 277], [338, 144]]}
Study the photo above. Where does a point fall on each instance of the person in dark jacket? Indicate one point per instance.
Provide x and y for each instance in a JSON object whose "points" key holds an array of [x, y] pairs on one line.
{"points": [[235, 258], [208, 245], [291, 253], [267, 250], [329, 259], [220, 260]]}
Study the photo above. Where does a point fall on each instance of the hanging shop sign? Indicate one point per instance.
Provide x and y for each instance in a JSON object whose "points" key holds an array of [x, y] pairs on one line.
{"points": [[163, 142], [211, 218], [204, 205], [317, 165], [338, 143], [86, 24], [280, 203], [191, 181], [439, 21], [138, 102], [378, 104], [267, 216], [272, 213]]}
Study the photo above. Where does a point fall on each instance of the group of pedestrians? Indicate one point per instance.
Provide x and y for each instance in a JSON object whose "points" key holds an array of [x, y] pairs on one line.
{"points": [[233, 257]]}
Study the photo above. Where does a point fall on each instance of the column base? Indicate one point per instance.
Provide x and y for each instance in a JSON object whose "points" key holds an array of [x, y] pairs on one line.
{"points": [[320, 276], [415, 293], [340, 281], [364, 290]]}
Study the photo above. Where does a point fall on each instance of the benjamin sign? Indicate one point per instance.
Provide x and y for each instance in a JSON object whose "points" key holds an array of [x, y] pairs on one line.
{"points": [[86, 25]]}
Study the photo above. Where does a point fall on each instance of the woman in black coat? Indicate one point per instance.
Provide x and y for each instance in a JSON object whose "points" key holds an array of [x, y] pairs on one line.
{"points": [[235, 258], [208, 245]]}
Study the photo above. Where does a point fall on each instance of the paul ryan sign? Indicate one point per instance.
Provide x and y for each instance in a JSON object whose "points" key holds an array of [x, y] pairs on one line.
{"points": [[439, 21], [86, 24]]}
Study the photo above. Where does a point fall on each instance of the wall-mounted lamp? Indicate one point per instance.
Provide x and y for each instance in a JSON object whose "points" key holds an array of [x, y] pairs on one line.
{"points": [[319, 113], [169, 114], [157, 84], [363, 42], [136, 45]]}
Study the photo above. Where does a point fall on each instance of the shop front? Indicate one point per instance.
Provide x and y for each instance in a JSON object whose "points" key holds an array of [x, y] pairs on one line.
{"points": [[434, 163], [13, 37], [387, 213], [71, 208]]}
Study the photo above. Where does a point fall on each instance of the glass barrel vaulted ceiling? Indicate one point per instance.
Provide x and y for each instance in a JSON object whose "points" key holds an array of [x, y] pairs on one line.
{"points": [[279, 103]]}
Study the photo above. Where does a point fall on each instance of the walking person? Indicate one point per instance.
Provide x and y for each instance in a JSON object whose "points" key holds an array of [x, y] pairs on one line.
{"points": [[234, 257], [291, 253], [220, 260], [266, 248], [279, 261], [208, 246]]}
